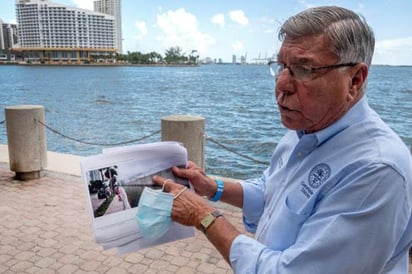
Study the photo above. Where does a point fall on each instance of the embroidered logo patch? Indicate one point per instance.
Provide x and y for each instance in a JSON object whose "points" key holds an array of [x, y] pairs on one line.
{"points": [[318, 175]]}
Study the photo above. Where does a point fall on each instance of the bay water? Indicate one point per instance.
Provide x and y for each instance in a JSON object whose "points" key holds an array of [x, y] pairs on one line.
{"points": [[113, 104]]}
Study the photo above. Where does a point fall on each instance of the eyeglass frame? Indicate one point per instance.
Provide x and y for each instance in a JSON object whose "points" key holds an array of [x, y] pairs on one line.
{"points": [[309, 71]]}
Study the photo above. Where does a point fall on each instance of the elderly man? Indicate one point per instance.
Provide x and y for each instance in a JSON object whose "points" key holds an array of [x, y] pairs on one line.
{"points": [[336, 197]]}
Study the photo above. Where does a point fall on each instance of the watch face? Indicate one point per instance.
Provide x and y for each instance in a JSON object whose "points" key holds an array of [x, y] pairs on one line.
{"points": [[207, 221]]}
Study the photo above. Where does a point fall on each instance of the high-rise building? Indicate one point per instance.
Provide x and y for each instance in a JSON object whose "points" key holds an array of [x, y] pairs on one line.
{"points": [[8, 35], [53, 32], [112, 7]]}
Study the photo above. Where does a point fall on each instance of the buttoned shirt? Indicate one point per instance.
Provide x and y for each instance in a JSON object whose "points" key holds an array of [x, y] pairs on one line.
{"points": [[334, 201]]}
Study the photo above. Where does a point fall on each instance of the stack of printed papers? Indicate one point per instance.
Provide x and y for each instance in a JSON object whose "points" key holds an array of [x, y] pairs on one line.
{"points": [[114, 181]]}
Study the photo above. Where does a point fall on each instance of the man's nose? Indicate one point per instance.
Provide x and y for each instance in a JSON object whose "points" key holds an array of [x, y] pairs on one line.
{"points": [[285, 82]]}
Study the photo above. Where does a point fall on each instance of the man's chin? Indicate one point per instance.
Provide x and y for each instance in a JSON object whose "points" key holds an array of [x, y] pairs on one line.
{"points": [[290, 123]]}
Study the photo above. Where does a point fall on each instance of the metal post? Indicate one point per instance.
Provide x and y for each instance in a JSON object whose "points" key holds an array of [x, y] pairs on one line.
{"points": [[188, 130], [26, 141]]}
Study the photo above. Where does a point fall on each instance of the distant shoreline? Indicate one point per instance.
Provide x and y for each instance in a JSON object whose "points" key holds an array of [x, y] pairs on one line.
{"points": [[10, 63], [99, 64]]}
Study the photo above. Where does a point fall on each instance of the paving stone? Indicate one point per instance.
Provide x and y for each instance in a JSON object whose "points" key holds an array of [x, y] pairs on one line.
{"points": [[186, 270], [4, 269], [138, 268], [21, 266], [45, 262], [90, 266], [179, 261], [154, 254], [45, 228], [24, 256], [134, 257], [4, 258], [113, 261], [33, 269], [116, 271]]}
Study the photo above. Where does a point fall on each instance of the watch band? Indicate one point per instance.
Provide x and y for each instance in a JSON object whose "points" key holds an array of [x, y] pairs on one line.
{"points": [[219, 191], [210, 218]]}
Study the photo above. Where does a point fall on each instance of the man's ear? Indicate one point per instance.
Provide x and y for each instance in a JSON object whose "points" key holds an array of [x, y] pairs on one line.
{"points": [[359, 75]]}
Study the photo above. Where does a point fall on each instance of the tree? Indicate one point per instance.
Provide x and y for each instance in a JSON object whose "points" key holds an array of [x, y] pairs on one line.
{"points": [[174, 55], [155, 57], [122, 57], [193, 57]]}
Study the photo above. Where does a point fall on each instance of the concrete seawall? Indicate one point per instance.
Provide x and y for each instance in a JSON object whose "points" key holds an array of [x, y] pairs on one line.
{"points": [[57, 162]]}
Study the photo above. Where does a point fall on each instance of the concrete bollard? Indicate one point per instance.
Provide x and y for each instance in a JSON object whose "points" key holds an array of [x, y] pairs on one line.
{"points": [[188, 130], [26, 141]]}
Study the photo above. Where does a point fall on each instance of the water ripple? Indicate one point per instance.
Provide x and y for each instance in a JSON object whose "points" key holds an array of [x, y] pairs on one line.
{"points": [[115, 104]]}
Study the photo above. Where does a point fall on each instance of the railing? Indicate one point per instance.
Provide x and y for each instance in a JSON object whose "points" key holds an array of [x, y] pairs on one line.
{"points": [[28, 122], [34, 122]]}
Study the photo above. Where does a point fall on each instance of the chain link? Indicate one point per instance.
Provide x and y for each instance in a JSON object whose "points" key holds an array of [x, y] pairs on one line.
{"points": [[235, 152], [143, 138], [98, 144]]}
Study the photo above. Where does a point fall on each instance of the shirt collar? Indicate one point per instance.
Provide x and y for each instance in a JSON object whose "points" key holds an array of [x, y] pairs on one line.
{"points": [[356, 113]]}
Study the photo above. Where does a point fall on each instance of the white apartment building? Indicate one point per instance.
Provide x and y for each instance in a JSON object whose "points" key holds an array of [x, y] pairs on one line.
{"points": [[112, 7], [52, 32]]}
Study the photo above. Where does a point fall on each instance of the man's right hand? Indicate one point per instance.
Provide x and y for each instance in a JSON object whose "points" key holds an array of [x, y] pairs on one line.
{"points": [[203, 185]]}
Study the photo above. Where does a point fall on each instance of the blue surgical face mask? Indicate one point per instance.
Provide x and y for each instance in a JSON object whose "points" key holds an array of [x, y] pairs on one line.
{"points": [[154, 213]]}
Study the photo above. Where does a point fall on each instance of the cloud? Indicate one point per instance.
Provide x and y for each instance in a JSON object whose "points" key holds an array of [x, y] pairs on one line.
{"points": [[238, 16], [394, 44], [179, 28], [83, 4], [219, 19], [142, 29], [393, 52]]}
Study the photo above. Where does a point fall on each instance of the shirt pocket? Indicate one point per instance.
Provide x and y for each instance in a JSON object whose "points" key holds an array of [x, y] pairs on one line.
{"points": [[283, 227]]}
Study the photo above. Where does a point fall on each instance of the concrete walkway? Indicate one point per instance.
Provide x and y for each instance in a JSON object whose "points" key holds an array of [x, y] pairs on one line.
{"points": [[45, 228]]}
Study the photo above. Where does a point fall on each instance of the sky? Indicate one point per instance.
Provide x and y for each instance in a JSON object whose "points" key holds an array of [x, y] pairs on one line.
{"points": [[221, 28]]}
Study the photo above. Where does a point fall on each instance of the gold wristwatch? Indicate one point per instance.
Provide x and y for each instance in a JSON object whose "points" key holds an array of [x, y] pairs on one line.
{"points": [[209, 219]]}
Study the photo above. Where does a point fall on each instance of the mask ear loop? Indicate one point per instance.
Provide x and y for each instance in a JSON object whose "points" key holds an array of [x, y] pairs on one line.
{"points": [[180, 193], [164, 183]]}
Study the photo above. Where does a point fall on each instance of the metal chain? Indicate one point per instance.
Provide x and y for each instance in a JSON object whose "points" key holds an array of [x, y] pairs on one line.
{"points": [[147, 136], [235, 152], [142, 138], [98, 144]]}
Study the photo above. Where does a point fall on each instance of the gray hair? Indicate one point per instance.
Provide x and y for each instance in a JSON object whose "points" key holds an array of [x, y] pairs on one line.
{"points": [[352, 38]]}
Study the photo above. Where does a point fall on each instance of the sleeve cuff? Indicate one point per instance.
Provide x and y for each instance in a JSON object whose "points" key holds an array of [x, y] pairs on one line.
{"points": [[252, 208], [241, 261]]}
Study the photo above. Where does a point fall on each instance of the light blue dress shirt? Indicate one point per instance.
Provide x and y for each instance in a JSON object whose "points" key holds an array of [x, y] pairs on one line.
{"points": [[335, 201]]}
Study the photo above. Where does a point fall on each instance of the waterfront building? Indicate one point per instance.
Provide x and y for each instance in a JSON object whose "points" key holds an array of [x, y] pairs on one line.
{"points": [[49, 32], [8, 35], [112, 7]]}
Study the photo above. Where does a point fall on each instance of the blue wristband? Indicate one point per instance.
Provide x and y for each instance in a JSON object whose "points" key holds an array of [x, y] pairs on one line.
{"points": [[219, 191]]}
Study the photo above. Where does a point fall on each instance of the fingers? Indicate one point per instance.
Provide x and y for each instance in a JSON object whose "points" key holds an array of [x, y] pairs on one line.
{"points": [[181, 172], [158, 180], [190, 172], [168, 185], [191, 164], [163, 182]]}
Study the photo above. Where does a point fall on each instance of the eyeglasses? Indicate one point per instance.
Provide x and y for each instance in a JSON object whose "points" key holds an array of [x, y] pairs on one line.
{"points": [[302, 72]]}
